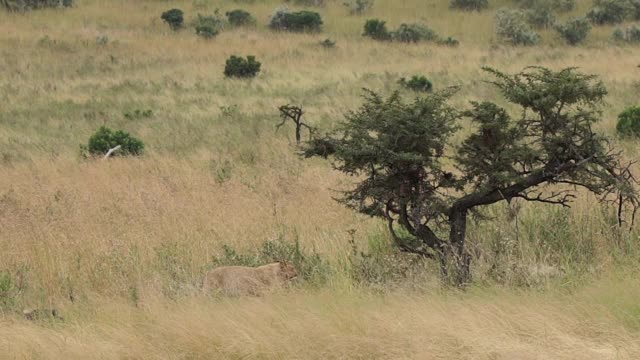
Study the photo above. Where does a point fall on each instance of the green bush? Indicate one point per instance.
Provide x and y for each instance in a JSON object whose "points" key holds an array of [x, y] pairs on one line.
{"points": [[358, 7], [417, 83], [610, 11], [512, 27], [7, 291], [629, 122], [449, 41], [208, 26], [376, 29], [574, 31], [105, 139], [24, 5], [240, 17], [300, 21], [173, 17], [328, 43], [237, 66], [631, 34], [469, 5], [541, 16], [413, 33]]}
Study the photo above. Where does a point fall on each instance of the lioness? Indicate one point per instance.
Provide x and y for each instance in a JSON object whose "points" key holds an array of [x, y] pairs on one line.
{"points": [[244, 280]]}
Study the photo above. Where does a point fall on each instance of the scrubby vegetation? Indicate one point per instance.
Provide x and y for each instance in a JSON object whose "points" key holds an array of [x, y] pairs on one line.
{"points": [[239, 67], [574, 31], [297, 21], [106, 139], [512, 27], [173, 17], [240, 17], [629, 122], [118, 248], [418, 83]]}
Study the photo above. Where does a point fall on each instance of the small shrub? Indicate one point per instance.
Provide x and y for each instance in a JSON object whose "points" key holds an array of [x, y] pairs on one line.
{"points": [[138, 114], [208, 26], [105, 139], [300, 21], [629, 122], [277, 20], [237, 66], [25, 5], [319, 3], [328, 43], [610, 11], [413, 33], [563, 5], [633, 34], [358, 7], [574, 31], [469, 5], [240, 17], [618, 35], [376, 29], [511, 26], [173, 17], [7, 292], [417, 83], [449, 41], [308, 21], [541, 16]]}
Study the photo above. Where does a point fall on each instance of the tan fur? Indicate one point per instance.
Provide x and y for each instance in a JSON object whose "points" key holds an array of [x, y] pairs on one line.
{"points": [[244, 280]]}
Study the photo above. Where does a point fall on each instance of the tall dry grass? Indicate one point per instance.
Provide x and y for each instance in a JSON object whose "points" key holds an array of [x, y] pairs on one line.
{"points": [[129, 239]]}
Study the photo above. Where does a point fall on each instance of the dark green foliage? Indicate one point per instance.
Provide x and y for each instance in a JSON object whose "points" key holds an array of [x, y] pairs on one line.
{"points": [[541, 16], [309, 21], [173, 17], [208, 26], [469, 5], [412, 33], [25, 5], [631, 34], [376, 29], [359, 7], [396, 151], [7, 292], [138, 114], [512, 27], [105, 139], [311, 267], [417, 83], [300, 21], [328, 43], [610, 11], [574, 31], [237, 66], [449, 41], [240, 17], [629, 122]]}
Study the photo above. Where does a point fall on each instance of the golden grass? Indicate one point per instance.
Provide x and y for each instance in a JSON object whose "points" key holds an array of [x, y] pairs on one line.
{"points": [[213, 175]]}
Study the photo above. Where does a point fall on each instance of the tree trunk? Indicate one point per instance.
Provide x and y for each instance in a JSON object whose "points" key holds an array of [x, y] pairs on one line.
{"points": [[298, 131], [458, 261]]}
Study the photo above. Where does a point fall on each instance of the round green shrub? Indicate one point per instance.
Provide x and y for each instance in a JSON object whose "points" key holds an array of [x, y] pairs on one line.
{"points": [[300, 21], [376, 29], [173, 17], [418, 83], [469, 5], [629, 122], [239, 17], [105, 139], [574, 31], [237, 66], [413, 33], [610, 11]]}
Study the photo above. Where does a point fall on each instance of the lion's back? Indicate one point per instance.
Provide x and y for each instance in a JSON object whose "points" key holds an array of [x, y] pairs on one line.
{"points": [[239, 280]]}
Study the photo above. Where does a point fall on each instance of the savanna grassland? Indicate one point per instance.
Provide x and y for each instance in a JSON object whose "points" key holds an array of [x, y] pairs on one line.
{"points": [[119, 247]]}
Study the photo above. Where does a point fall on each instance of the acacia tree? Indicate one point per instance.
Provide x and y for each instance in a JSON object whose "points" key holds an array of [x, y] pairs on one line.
{"points": [[410, 174]]}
